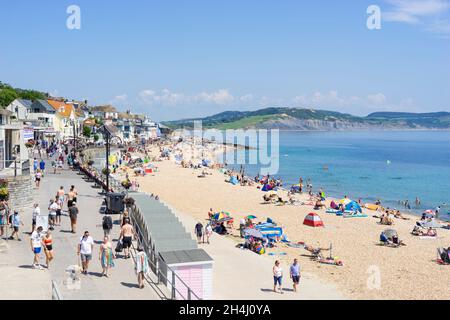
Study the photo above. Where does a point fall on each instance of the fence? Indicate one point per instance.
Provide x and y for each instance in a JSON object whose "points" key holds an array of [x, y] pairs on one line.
{"points": [[56, 295], [157, 265]]}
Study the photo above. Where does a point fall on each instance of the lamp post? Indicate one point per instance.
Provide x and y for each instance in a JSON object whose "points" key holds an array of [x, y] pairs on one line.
{"points": [[108, 135]]}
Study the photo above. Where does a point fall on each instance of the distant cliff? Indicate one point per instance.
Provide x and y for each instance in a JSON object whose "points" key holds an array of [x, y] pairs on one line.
{"points": [[314, 120]]}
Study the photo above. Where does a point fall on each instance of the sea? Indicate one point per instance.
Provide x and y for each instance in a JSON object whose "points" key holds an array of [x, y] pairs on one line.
{"points": [[392, 166]]}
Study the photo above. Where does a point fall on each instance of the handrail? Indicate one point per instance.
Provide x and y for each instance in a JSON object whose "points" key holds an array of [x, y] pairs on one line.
{"points": [[156, 268], [56, 295]]}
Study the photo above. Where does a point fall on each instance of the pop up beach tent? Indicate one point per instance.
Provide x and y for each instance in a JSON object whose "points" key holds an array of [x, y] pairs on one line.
{"points": [[313, 220]]}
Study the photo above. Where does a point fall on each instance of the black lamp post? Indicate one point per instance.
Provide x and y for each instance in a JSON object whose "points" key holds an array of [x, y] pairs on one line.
{"points": [[108, 134]]}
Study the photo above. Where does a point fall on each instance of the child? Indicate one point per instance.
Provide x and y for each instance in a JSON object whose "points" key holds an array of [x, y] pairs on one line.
{"points": [[16, 223]]}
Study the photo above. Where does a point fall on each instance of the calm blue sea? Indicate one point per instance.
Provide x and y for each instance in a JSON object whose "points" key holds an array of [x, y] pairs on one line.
{"points": [[390, 166]]}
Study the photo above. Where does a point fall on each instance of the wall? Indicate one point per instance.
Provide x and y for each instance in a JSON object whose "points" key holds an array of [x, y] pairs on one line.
{"points": [[20, 192]]}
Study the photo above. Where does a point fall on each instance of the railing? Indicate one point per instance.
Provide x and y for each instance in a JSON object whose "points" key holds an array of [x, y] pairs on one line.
{"points": [[14, 167], [157, 265], [56, 295]]}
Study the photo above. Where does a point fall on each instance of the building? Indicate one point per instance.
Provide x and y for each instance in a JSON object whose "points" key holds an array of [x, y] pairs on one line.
{"points": [[20, 108], [66, 122], [107, 113], [12, 142]]}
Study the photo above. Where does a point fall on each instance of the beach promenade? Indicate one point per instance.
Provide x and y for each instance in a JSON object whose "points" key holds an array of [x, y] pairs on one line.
{"points": [[20, 281]]}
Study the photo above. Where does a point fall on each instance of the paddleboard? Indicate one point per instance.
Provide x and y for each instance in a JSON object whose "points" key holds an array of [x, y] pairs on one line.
{"points": [[372, 206]]}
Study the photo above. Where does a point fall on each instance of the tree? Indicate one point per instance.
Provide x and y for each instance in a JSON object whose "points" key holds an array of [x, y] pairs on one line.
{"points": [[7, 96], [96, 137], [87, 131]]}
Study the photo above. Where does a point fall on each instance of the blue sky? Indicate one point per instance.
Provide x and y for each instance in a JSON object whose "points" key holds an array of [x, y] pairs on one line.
{"points": [[177, 59]]}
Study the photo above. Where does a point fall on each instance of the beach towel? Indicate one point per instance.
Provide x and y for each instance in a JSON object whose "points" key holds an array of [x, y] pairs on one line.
{"points": [[356, 216]]}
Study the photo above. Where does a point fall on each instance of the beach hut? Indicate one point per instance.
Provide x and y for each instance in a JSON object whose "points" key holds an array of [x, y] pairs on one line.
{"points": [[313, 220]]}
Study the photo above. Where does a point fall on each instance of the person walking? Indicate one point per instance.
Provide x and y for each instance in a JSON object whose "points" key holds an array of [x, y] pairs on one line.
{"points": [[48, 248], [107, 225], [85, 248], [42, 166], [73, 214], [141, 266], [295, 274], [277, 277], [71, 196], [36, 247], [199, 232], [3, 218], [62, 196], [58, 211], [52, 209], [34, 215], [106, 256], [126, 236], [16, 223], [208, 232], [37, 178]]}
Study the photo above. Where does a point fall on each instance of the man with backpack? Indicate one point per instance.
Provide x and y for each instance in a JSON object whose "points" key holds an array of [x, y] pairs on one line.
{"points": [[107, 225]]}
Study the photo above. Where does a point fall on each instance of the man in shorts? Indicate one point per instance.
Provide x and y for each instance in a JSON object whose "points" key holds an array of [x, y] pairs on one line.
{"points": [[126, 235], [52, 209], [16, 223], [85, 248], [36, 247], [73, 214], [295, 274]]}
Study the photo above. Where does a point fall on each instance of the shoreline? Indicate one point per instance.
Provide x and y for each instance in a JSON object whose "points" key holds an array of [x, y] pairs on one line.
{"points": [[407, 273]]}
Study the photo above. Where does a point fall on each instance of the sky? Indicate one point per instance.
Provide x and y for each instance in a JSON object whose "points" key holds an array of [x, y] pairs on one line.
{"points": [[175, 59]]}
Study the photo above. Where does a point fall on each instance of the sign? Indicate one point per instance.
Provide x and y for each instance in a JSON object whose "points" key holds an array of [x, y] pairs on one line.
{"points": [[28, 134]]}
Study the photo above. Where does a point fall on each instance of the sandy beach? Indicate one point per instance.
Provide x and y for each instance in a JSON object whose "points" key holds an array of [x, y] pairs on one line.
{"points": [[370, 271]]}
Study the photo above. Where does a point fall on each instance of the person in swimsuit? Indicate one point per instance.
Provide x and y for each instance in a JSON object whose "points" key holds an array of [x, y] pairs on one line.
{"points": [[106, 256], [71, 197], [126, 235], [61, 194], [48, 248]]}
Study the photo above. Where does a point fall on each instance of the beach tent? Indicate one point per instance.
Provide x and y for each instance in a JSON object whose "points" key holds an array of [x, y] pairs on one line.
{"points": [[267, 187], [313, 220], [270, 232], [253, 233], [353, 206], [234, 180]]}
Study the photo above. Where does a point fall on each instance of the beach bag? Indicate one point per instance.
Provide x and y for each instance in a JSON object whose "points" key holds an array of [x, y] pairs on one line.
{"points": [[119, 246]]}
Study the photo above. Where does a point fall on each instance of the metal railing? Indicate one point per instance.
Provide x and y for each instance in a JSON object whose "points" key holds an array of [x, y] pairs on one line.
{"points": [[56, 295], [176, 284]]}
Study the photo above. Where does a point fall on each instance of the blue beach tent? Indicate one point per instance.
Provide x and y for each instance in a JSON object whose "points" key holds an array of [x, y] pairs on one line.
{"points": [[354, 207]]}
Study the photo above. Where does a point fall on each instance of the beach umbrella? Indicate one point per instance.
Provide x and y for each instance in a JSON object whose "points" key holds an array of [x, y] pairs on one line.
{"points": [[253, 233], [390, 233], [251, 217], [429, 212], [221, 216], [345, 201]]}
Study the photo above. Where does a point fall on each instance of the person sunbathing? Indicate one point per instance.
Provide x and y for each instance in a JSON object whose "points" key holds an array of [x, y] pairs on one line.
{"points": [[431, 232], [319, 205], [398, 215]]}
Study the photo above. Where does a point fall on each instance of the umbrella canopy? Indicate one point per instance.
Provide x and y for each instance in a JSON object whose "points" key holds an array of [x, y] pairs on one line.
{"points": [[429, 212], [222, 216], [253, 233], [345, 201], [390, 233], [251, 217]]}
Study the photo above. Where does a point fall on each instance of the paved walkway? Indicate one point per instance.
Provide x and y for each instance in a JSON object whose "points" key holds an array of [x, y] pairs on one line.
{"points": [[22, 282]]}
